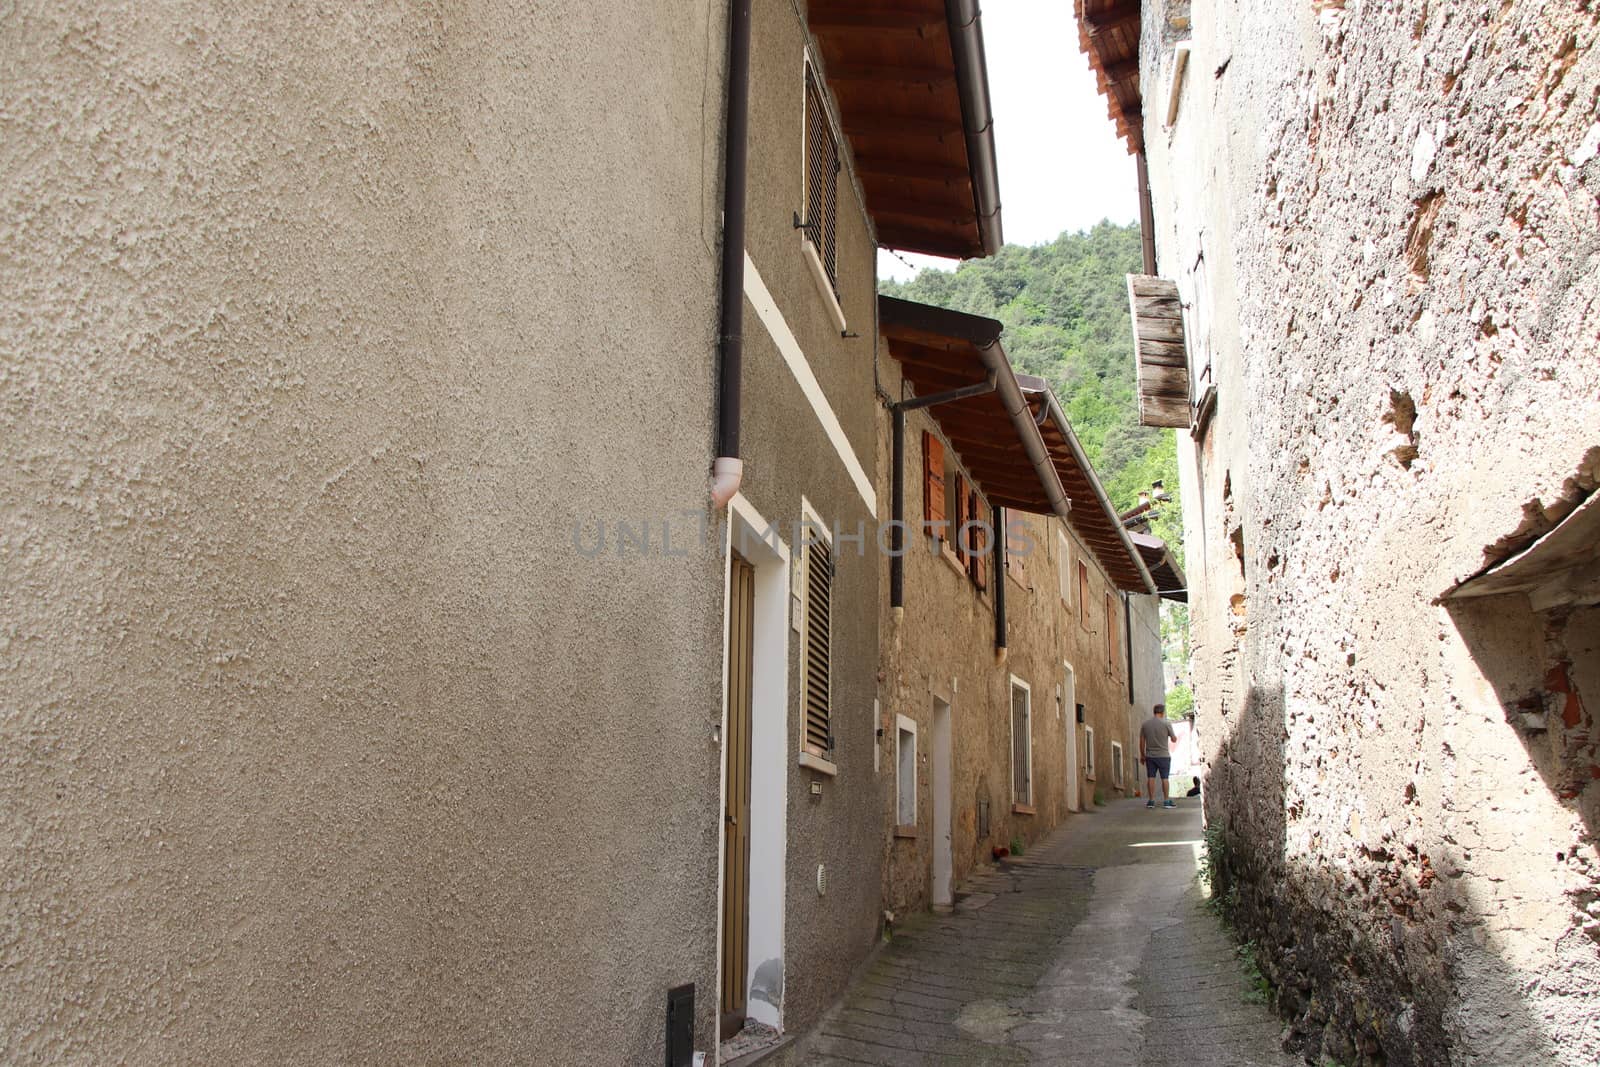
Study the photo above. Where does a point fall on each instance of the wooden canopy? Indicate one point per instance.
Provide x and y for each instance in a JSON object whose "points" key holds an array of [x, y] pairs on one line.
{"points": [[1108, 33], [940, 350], [913, 97], [1163, 567]]}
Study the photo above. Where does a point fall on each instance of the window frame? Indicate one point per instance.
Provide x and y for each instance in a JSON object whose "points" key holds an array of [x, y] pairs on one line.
{"points": [[1083, 595], [819, 239], [903, 726], [1064, 568], [1118, 765], [1022, 806], [810, 755], [1088, 752]]}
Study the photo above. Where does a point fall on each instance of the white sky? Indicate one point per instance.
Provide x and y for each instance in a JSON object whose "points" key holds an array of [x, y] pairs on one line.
{"points": [[1062, 166]]}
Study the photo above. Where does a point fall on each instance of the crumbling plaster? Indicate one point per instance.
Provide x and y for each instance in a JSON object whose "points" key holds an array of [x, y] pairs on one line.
{"points": [[1383, 218]]}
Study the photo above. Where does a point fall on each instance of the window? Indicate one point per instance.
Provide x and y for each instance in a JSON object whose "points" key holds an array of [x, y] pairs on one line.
{"points": [[817, 662], [906, 773], [820, 224], [1064, 567], [978, 543], [1116, 764], [1083, 594], [1088, 752], [1021, 745]]}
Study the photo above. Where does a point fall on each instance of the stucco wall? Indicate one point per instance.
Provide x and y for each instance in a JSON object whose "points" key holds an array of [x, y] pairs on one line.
{"points": [[1384, 218], [321, 741], [789, 456]]}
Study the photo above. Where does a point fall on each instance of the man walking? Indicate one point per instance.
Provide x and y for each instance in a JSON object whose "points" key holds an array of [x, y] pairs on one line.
{"points": [[1155, 737]]}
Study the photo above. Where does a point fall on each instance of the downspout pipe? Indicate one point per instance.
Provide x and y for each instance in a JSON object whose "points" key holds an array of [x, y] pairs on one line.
{"points": [[1104, 501], [897, 527], [999, 557], [727, 470], [972, 82]]}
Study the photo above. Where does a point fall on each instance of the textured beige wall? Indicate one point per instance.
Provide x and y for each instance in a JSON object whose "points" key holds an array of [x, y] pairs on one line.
{"points": [[323, 325], [1384, 216], [788, 456]]}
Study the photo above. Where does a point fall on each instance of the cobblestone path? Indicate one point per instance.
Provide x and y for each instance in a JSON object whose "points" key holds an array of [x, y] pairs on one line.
{"points": [[1095, 947]]}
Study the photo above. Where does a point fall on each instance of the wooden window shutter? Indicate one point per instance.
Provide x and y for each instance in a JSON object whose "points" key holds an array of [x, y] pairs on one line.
{"points": [[1111, 635], [822, 181], [977, 562], [1159, 351], [932, 478], [958, 536], [818, 647]]}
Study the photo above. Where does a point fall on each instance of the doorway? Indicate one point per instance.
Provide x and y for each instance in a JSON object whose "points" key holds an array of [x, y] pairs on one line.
{"points": [[943, 794], [736, 796], [756, 760], [1069, 708]]}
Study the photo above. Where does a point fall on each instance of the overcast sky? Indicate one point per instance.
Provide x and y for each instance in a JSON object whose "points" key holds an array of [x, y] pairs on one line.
{"points": [[1061, 164]]}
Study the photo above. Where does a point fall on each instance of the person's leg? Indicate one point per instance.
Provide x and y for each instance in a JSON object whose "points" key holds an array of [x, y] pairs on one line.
{"points": [[1164, 769], [1150, 782]]}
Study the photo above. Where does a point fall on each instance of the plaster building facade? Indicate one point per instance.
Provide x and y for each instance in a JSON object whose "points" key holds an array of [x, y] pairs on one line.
{"points": [[1390, 441], [368, 655]]}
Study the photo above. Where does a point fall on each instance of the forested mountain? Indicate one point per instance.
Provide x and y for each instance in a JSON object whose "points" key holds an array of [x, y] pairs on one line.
{"points": [[1065, 309]]}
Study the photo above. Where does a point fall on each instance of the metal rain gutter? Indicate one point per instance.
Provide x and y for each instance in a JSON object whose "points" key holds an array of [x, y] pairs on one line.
{"points": [[977, 117], [1021, 415], [1065, 427]]}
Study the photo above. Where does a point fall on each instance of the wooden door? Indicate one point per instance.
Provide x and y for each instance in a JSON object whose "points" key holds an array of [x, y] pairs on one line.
{"points": [[736, 807]]}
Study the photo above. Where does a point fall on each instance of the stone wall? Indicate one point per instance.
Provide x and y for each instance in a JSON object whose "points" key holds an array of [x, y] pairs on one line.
{"points": [[943, 646], [1383, 218]]}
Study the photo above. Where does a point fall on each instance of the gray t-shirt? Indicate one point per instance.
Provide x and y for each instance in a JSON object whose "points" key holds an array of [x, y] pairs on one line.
{"points": [[1155, 732]]}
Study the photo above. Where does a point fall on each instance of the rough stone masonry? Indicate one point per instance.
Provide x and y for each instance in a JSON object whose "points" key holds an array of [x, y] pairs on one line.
{"points": [[1382, 217]]}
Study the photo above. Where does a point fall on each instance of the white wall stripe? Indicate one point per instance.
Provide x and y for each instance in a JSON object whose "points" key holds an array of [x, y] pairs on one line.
{"points": [[767, 310]]}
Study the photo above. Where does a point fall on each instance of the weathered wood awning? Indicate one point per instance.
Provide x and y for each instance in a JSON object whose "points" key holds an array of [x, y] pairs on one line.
{"points": [[913, 96], [1163, 567], [1160, 351], [939, 350], [1108, 33]]}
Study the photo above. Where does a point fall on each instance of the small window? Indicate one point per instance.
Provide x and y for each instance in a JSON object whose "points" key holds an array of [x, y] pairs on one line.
{"points": [[906, 773], [1083, 594], [1116, 764], [1088, 752], [819, 574], [979, 544], [820, 224], [1021, 743]]}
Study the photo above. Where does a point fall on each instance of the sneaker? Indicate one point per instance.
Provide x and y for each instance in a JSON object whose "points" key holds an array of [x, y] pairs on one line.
{"points": [[1169, 804], [1149, 803]]}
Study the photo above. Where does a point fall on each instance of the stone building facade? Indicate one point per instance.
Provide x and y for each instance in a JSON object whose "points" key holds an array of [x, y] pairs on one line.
{"points": [[1381, 219], [992, 734]]}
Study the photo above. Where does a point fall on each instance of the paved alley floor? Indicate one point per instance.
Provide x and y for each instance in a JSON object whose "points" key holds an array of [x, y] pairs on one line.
{"points": [[1095, 947]]}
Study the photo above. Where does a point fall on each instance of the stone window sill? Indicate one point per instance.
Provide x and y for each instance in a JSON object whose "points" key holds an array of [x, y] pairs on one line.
{"points": [[908, 833], [818, 764], [1023, 809]]}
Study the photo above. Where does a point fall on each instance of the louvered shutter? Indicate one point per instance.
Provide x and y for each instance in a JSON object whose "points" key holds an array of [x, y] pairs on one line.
{"points": [[818, 647], [932, 478], [958, 534], [822, 181], [976, 562]]}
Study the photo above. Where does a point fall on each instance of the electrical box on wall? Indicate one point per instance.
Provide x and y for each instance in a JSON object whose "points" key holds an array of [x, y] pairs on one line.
{"points": [[680, 1026], [1080, 712]]}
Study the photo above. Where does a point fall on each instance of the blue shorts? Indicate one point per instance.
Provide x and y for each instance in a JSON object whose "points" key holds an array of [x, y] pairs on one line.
{"points": [[1157, 766]]}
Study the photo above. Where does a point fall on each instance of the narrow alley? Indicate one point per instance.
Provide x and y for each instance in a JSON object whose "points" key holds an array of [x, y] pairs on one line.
{"points": [[1095, 946]]}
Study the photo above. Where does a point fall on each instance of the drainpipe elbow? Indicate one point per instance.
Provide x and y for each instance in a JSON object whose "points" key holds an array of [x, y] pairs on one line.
{"points": [[726, 474]]}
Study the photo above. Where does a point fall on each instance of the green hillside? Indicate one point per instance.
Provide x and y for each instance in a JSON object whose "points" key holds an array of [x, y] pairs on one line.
{"points": [[1065, 309]]}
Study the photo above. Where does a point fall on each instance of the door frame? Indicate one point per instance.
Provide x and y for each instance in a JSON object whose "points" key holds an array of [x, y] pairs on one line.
{"points": [[942, 785], [1069, 701], [762, 546]]}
